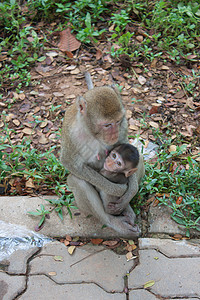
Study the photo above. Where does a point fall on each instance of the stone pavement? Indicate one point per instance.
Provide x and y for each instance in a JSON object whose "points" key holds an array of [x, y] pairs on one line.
{"points": [[172, 268]]}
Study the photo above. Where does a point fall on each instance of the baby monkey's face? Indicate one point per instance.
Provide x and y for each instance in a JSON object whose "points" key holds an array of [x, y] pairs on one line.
{"points": [[114, 162]]}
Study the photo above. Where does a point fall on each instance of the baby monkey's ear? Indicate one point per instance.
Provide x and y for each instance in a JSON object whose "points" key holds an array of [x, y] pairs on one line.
{"points": [[130, 172]]}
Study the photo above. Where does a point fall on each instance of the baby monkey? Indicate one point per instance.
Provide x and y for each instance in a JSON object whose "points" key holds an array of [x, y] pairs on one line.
{"points": [[121, 163]]}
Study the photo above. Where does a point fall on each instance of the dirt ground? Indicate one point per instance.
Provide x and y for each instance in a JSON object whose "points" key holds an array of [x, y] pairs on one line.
{"points": [[155, 95]]}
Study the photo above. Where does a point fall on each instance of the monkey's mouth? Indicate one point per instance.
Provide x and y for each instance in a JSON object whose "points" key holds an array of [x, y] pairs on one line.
{"points": [[106, 167]]}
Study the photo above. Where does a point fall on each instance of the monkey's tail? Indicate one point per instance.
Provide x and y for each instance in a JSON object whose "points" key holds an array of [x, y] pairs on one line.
{"points": [[88, 80]]}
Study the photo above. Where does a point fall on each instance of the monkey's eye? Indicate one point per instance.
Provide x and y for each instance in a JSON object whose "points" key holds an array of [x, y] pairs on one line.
{"points": [[107, 125], [119, 164], [114, 155]]}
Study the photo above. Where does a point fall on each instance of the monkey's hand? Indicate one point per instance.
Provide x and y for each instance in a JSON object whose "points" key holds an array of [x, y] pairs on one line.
{"points": [[115, 208], [130, 192]]}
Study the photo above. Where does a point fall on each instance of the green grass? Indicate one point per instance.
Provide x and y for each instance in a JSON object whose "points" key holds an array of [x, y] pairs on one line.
{"points": [[174, 176], [20, 162], [162, 22]]}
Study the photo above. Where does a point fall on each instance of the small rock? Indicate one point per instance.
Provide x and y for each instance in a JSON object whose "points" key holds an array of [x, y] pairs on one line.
{"points": [[139, 38]]}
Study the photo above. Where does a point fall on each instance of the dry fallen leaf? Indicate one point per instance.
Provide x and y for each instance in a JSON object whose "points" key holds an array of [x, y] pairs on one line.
{"points": [[155, 202], [43, 140], [96, 241], [99, 54], [189, 103], [128, 114], [29, 183], [172, 148], [27, 130], [68, 42], [75, 71], [153, 110], [66, 243], [129, 256], [142, 80], [177, 237], [58, 258], [71, 249], [68, 238], [16, 122], [179, 200], [52, 273], [43, 124], [110, 243], [154, 124], [133, 127]]}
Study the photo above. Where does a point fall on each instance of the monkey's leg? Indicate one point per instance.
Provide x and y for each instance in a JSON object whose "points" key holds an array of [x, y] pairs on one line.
{"points": [[88, 200]]}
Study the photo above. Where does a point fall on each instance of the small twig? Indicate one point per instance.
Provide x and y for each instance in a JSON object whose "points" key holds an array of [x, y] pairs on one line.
{"points": [[86, 257]]}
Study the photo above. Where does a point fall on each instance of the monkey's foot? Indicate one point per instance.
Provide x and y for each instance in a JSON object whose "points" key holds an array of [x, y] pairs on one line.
{"points": [[123, 226]]}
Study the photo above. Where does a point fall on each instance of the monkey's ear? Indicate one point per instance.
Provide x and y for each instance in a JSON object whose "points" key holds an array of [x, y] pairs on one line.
{"points": [[81, 105], [130, 172]]}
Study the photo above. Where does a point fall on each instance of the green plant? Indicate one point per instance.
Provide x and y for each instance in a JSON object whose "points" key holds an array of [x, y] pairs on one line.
{"points": [[184, 181], [120, 19], [43, 213], [87, 34], [23, 160], [63, 201]]}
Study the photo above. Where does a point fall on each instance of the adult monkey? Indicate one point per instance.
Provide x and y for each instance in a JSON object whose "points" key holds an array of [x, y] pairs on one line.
{"points": [[92, 126]]}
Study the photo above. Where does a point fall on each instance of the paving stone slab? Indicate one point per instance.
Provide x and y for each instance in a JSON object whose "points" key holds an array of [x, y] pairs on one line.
{"points": [[172, 248], [17, 261], [41, 287], [174, 277], [11, 286], [15, 209], [141, 294], [105, 268], [160, 222]]}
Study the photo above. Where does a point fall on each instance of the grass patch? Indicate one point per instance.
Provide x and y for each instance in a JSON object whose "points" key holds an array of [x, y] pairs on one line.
{"points": [[174, 180], [170, 29], [27, 171]]}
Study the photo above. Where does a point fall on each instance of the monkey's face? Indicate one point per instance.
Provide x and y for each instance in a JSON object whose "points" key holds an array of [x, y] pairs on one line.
{"points": [[114, 162], [108, 131]]}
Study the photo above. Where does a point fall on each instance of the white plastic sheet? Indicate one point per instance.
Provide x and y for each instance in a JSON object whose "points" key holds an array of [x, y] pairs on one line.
{"points": [[15, 237]]}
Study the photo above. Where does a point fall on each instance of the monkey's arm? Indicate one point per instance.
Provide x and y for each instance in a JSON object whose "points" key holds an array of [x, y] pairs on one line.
{"points": [[118, 206], [90, 175]]}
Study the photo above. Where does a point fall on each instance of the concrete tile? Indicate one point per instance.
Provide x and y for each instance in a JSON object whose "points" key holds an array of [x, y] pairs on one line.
{"points": [[17, 261], [160, 222], [11, 286], [141, 294], [81, 225], [171, 248], [174, 277], [104, 268], [41, 287]]}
